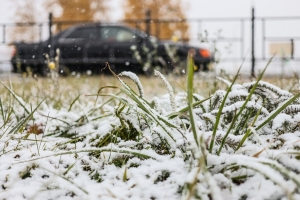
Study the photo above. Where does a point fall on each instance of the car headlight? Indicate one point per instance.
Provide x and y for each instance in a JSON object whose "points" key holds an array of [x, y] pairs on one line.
{"points": [[204, 53]]}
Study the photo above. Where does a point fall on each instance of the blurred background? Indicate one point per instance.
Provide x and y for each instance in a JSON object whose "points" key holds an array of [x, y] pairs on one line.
{"points": [[225, 27]]}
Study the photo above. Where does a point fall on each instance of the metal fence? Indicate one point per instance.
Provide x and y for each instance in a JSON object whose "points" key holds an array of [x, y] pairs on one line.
{"points": [[45, 31]]}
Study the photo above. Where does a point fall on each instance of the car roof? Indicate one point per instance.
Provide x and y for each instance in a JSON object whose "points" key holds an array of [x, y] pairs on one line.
{"points": [[99, 24]]}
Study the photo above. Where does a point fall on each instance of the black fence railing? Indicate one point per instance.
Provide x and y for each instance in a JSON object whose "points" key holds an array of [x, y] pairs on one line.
{"points": [[148, 24]]}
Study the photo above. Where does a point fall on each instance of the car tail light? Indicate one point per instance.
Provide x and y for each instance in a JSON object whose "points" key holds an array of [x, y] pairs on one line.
{"points": [[204, 53], [14, 51]]}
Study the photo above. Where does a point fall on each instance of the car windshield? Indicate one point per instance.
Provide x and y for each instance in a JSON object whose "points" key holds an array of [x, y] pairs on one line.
{"points": [[116, 34], [144, 35], [85, 33], [105, 33]]}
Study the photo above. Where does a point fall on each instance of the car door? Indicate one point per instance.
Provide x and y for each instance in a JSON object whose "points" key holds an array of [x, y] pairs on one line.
{"points": [[120, 42], [98, 51], [74, 44]]}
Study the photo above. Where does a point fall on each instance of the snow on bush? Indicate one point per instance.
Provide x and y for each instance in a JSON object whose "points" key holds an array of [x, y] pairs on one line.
{"points": [[125, 147]]}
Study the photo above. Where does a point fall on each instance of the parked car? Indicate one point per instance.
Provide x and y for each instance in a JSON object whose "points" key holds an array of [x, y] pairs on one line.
{"points": [[89, 46]]}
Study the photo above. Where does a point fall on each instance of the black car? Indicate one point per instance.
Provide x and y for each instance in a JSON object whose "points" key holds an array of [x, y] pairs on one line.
{"points": [[90, 46]]}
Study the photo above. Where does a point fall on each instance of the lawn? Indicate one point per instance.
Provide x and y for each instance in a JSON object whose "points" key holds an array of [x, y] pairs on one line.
{"points": [[158, 137]]}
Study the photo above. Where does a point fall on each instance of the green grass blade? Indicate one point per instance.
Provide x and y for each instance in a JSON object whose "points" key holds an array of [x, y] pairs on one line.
{"points": [[286, 172], [136, 153], [71, 105], [258, 167], [220, 113], [2, 111], [83, 190], [24, 121], [146, 108], [16, 97], [277, 111], [248, 131], [113, 87], [190, 84], [225, 137], [243, 106], [175, 114], [106, 102]]}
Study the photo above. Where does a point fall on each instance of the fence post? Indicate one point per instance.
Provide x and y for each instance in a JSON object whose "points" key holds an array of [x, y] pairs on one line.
{"points": [[242, 39], [3, 34], [252, 44], [292, 48], [50, 42], [263, 38], [157, 29], [40, 31], [148, 21]]}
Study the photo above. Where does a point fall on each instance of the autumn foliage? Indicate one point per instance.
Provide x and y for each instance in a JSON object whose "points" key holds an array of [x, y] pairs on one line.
{"points": [[26, 12], [162, 10], [69, 12], [79, 10]]}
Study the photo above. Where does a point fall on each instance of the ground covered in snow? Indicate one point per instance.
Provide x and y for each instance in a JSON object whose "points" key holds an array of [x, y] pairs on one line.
{"points": [[59, 144]]}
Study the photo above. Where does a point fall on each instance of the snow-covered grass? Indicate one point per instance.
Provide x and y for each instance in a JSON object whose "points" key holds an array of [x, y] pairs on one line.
{"points": [[80, 139]]}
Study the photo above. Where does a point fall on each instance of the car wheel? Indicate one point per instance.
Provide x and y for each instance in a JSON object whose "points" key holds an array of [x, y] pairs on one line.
{"points": [[14, 69], [44, 70], [64, 70], [116, 68], [204, 67], [201, 67]]}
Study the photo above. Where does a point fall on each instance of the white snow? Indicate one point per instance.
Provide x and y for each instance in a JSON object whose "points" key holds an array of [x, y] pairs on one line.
{"points": [[130, 149]]}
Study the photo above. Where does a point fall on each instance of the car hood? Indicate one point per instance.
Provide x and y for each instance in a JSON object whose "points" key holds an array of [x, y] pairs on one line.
{"points": [[195, 45], [170, 42]]}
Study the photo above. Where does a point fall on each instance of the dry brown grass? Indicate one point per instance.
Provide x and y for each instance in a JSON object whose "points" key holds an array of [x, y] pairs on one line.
{"points": [[70, 87]]}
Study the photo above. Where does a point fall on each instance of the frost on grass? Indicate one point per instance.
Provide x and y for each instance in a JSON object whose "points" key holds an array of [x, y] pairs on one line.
{"points": [[125, 147], [136, 80]]}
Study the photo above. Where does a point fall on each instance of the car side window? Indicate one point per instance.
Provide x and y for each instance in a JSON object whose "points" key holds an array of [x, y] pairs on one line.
{"points": [[115, 34], [85, 33]]}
